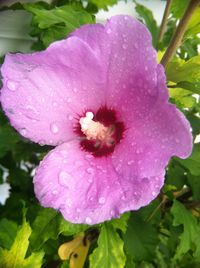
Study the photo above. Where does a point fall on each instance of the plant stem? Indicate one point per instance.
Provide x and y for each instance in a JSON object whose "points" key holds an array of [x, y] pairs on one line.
{"points": [[179, 33], [164, 20]]}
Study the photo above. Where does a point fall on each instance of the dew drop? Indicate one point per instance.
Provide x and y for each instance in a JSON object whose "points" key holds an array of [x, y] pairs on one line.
{"points": [[112, 212], [90, 180], [70, 117], [109, 31], [23, 132], [41, 142], [154, 193], [68, 202], [124, 46], [64, 178], [88, 220], [101, 200], [54, 192], [11, 85], [130, 162], [54, 128], [90, 170]]}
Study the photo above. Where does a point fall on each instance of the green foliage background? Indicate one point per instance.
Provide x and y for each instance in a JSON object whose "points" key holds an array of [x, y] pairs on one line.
{"points": [[164, 234]]}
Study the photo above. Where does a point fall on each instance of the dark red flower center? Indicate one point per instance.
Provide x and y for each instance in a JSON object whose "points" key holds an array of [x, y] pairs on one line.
{"points": [[99, 131]]}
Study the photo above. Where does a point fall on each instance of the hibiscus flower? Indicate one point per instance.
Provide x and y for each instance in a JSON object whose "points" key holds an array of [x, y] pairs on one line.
{"points": [[100, 97]]}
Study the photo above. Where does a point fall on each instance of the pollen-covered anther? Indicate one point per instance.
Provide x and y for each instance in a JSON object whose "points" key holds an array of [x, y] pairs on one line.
{"points": [[95, 130]]}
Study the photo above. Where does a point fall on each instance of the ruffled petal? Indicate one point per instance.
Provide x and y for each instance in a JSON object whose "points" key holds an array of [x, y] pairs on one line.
{"points": [[131, 67], [150, 143], [89, 190], [44, 92]]}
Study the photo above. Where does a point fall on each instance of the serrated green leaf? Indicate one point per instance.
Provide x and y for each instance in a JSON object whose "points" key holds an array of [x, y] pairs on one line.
{"points": [[122, 222], [194, 24], [109, 253], [180, 70], [103, 4], [49, 224], [194, 183], [55, 24], [147, 16], [8, 138], [141, 239], [71, 16], [178, 7], [8, 231], [192, 163], [182, 97], [45, 226], [15, 257], [67, 228], [190, 238], [193, 87]]}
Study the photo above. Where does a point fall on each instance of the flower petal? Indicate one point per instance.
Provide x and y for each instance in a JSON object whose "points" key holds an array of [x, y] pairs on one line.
{"points": [[151, 142], [42, 95], [87, 189], [132, 72]]}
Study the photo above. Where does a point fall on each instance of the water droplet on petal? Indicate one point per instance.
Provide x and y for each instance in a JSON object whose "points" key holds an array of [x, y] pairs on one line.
{"points": [[11, 85], [124, 46], [130, 162], [70, 117], [69, 202], [154, 193], [23, 132], [54, 128], [102, 200], [88, 220], [90, 170], [112, 212], [41, 142], [64, 178], [54, 192], [55, 104]]}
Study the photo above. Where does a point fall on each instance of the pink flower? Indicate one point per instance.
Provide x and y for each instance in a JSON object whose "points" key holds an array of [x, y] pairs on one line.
{"points": [[101, 98]]}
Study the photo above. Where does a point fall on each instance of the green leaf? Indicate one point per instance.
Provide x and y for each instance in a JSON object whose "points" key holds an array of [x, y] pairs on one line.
{"points": [[180, 70], [194, 24], [175, 175], [71, 16], [15, 257], [8, 231], [66, 228], [182, 97], [55, 24], [141, 239], [194, 183], [192, 163], [190, 237], [8, 138], [178, 7], [121, 223], [109, 253], [103, 4], [49, 224], [147, 17], [193, 87]]}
